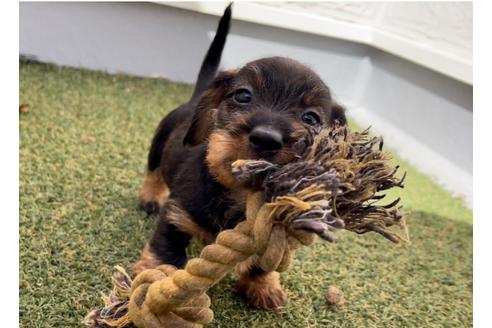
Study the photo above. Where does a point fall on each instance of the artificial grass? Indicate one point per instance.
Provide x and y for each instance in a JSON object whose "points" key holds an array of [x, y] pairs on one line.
{"points": [[83, 147]]}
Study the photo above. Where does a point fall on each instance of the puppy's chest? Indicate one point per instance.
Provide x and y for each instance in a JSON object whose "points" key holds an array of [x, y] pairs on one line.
{"points": [[225, 211], [210, 204]]}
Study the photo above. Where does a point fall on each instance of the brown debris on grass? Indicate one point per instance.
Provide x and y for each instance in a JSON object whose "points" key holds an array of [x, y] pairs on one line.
{"points": [[24, 108], [334, 296]]}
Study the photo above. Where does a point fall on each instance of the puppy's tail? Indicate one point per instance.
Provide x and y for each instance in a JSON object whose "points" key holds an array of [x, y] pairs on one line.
{"points": [[212, 59]]}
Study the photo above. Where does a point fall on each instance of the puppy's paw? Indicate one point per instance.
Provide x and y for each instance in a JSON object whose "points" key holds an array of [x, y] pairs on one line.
{"points": [[153, 194], [262, 291], [149, 207]]}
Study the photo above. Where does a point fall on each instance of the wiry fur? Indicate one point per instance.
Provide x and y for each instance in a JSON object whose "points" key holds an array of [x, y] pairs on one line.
{"points": [[195, 145]]}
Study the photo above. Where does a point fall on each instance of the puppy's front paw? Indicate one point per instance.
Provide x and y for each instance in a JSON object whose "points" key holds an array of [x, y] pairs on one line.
{"points": [[149, 207], [262, 291], [153, 194]]}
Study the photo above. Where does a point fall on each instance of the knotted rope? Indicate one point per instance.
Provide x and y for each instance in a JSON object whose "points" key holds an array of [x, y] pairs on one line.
{"points": [[332, 185], [166, 297]]}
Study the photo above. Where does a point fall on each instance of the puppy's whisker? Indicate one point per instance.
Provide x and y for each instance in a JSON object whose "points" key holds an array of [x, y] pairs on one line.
{"points": [[286, 151], [230, 142]]}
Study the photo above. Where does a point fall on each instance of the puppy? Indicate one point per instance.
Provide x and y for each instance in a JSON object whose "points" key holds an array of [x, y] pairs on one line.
{"points": [[256, 112]]}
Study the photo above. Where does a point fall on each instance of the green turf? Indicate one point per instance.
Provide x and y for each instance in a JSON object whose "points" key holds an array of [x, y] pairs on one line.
{"points": [[83, 147]]}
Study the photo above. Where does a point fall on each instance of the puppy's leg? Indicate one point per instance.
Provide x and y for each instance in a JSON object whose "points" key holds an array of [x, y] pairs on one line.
{"points": [[148, 260], [262, 290], [167, 245], [154, 192]]}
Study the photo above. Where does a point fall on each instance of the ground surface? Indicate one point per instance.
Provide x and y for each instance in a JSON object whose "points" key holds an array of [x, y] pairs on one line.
{"points": [[83, 147]]}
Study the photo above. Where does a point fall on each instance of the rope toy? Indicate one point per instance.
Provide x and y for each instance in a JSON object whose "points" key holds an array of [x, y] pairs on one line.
{"points": [[335, 184]]}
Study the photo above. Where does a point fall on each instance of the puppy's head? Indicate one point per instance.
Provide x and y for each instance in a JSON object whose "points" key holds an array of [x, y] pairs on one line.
{"points": [[260, 112]]}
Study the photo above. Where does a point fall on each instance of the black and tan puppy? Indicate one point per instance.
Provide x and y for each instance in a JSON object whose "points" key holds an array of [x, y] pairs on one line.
{"points": [[258, 111]]}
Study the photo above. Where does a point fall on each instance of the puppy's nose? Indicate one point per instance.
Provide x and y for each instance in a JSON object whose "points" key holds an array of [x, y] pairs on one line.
{"points": [[265, 138]]}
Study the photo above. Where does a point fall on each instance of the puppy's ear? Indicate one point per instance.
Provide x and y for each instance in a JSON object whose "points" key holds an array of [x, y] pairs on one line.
{"points": [[204, 117], [337, 114]]}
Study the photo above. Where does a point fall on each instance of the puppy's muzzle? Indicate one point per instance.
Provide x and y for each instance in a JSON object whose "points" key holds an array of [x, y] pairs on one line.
{"points": [[265, 139]]}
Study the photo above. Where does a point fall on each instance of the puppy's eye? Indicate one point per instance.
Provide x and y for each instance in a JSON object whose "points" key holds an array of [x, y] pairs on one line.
{"points": [[311, 118], [243, 96]]}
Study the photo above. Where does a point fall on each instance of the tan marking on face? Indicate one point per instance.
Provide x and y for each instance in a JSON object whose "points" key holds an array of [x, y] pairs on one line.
{"points": [[154, 189], [223, 150], [298, 130], [288, 153], [284, 156], [257, 79], [307, 99]]}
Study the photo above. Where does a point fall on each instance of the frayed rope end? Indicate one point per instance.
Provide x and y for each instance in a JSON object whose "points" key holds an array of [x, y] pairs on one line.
{"points": [[114, 313]]}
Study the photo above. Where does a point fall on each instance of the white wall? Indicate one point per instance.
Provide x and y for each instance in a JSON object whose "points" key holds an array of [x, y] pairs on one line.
{"points": [[136, 38], [446, 26], [424, 115]]}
